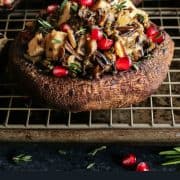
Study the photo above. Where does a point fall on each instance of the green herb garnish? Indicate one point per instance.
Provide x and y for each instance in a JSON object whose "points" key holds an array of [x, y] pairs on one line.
{"points": [[173, 156], [93, 153], [62, 152], [81, 30], [120, 6], [63, 4], [74, 8], [91, 165], [22, 158], [56, 41], [140, 18], [75, 68], [44, 23]]}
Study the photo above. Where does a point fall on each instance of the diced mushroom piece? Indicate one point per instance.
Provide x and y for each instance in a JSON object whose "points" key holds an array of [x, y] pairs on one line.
{"points": [[92, 46], [111, 56], [81, 45], [119, 48], [71, 38], [70, 49], [123, 19], [65, 14], [103, 19], [100, 4], [71, 59], [36, 45], [54, 42]]}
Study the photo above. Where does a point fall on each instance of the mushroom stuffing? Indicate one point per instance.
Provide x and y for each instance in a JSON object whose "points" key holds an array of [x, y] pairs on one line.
{"points": [[90, 38]]}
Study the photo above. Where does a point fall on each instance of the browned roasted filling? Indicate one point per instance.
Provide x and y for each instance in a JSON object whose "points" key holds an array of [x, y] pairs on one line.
{"points": [[90, 38]]}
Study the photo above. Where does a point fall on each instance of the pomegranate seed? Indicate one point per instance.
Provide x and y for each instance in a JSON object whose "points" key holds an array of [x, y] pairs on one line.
{"points": [[129, 160], [152, 31], [7, 3], [123, 63], [59, 71], [87, 3], [96, 34], [159, 38], [142, 166], [105, 44], [65, 27], [51, 8]]}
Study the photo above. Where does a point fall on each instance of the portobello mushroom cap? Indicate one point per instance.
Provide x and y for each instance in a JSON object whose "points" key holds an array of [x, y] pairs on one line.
{"points": [[111, 91], [137, 2]]}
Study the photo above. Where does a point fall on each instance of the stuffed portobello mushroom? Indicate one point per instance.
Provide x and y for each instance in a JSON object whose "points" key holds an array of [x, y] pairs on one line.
{"points": [[92, 54]]}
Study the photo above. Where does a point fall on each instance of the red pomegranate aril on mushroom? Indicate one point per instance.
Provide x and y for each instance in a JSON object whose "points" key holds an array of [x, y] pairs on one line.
{"points": [[105, 44], [59, 71], [152, 31], [129, 160], [159, 38], [65, 27], [123, 63], [96, 34], [142, 167], [51, 8], [7, 3], [87, 3]]}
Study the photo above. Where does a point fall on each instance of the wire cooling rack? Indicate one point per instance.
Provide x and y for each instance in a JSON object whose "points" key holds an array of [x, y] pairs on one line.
{"points": [[155, 120]]}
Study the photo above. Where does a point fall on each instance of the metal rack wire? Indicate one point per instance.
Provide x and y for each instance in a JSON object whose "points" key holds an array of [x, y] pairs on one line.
{"points": [[158, 118]]}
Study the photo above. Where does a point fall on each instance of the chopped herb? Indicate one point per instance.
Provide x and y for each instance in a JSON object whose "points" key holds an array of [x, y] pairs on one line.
{"points": [[56, 41], [44, 23], [62, 152], [82, 30], [93, 153], [74, 8], [136, 67], [22, 158], [120, 6], [75, 68], [91, 165], [63, 4], [140, 18]]}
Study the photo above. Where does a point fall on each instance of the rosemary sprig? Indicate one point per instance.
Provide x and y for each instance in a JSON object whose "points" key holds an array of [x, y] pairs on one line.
{"points": [[62, 152], [63, 4], [173, 156], [94, 152], [56, 41], [22, 158], [75, 68], [120, 6], [91, 165], [81, 30], [171, 152], [44, 24]]}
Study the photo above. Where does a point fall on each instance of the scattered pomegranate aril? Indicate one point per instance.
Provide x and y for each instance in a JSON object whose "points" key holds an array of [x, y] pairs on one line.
{"points": [[87, 3], [123, 63], [105, 44], [51, 8], [96, 34], [152, 31], [65, 27], [129, 160], [142, 167], [59, 71]]}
